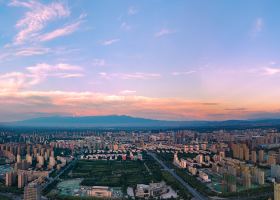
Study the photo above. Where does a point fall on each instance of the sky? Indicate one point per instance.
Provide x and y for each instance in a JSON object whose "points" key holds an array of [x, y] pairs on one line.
{"points": [[175, 60]]}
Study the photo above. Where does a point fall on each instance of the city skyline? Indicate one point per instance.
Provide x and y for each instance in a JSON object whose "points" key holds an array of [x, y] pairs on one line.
{"points": [[178, 60]]}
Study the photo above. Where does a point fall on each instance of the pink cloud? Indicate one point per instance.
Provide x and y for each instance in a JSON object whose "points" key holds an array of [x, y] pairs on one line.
{"points": [[89, 103], [136, 75], [37, 18], [34, 75], [67, 30]]}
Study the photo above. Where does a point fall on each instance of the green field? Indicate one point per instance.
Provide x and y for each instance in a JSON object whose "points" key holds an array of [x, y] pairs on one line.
{"points": [[112, 173], [121, 174], [4, 197]]}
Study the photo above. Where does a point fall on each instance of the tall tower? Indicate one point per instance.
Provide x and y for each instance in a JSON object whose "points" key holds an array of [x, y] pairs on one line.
{"points": [[32, 192], [22, 180], [261, 156], [276, 191]]}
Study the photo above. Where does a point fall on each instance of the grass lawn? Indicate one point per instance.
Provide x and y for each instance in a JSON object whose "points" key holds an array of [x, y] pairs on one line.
{"points": [[112, 173], [124, 174], [4, 197]]}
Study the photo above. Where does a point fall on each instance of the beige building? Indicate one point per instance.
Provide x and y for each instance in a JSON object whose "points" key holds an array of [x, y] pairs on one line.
{"points": [[32, 192], [22, 180], [100, 191], [261, 156], [10, 178], [276, 191], [254, 156]]}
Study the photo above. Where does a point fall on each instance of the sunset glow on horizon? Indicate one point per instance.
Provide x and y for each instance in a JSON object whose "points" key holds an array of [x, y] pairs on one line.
{"points": [[171, 60]]}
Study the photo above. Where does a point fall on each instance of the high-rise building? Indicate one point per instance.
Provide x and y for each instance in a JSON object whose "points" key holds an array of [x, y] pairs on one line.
{"points": [[271, 160], [229, 179], [40, 160], [32, 192], [241, 153], [203, 147], [246, 176], [246, 153], [222, 154], [52, 162], [199, 158], [275, 171], [115, 147], [10, 178], [29, 159], [235, 150], [186, 148], [28, 151], [261, 156], [18, 158], [22, 180], [35, 152], [260, 175], [254, 156], [276, 191]]}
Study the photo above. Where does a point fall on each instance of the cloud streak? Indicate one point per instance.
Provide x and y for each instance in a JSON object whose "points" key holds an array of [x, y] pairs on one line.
{"points": [[164, 32], [99, 62], [132, 11], [270, 71], [14, 81], [110, 42], [67, 30], [183, 73], [130, 76], [36, 18], [31, 51]]}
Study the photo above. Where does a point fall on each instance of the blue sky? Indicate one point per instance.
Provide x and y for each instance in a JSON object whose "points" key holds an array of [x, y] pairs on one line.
{"points": [[158, 59]]}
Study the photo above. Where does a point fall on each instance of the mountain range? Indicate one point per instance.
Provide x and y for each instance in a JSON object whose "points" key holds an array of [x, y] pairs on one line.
{"points": [[112, 121]]}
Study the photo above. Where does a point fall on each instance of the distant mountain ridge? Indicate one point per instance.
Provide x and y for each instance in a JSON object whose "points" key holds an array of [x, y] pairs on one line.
{"points": [[112, 121]]}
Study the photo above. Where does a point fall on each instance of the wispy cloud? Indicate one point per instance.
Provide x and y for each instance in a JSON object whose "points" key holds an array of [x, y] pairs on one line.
{"points": [[36, 18], [128, 92], [127, 76], [33, 75], [110, 42], [66, 75], [132, 10], [98, 62], [47, 67], [13, 81], [257, 27], [36, 50], [30, 51], [164, 32], [67, 30], [125, 26], [183, 73], [270, 71]]}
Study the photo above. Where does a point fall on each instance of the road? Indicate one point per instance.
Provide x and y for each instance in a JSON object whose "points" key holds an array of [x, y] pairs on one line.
{"points": [[195, 193], [59, 174]]}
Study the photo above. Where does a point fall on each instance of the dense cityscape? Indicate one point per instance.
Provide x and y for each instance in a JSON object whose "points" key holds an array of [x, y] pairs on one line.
{"points": [[140, 164]]}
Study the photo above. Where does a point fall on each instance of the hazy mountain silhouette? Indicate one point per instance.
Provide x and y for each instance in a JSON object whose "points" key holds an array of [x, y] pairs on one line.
{"points": [[127, 121]]}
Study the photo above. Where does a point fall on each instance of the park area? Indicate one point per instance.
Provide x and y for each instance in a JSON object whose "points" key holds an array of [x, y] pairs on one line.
{"points": [[118, 175], [112, 173]]}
